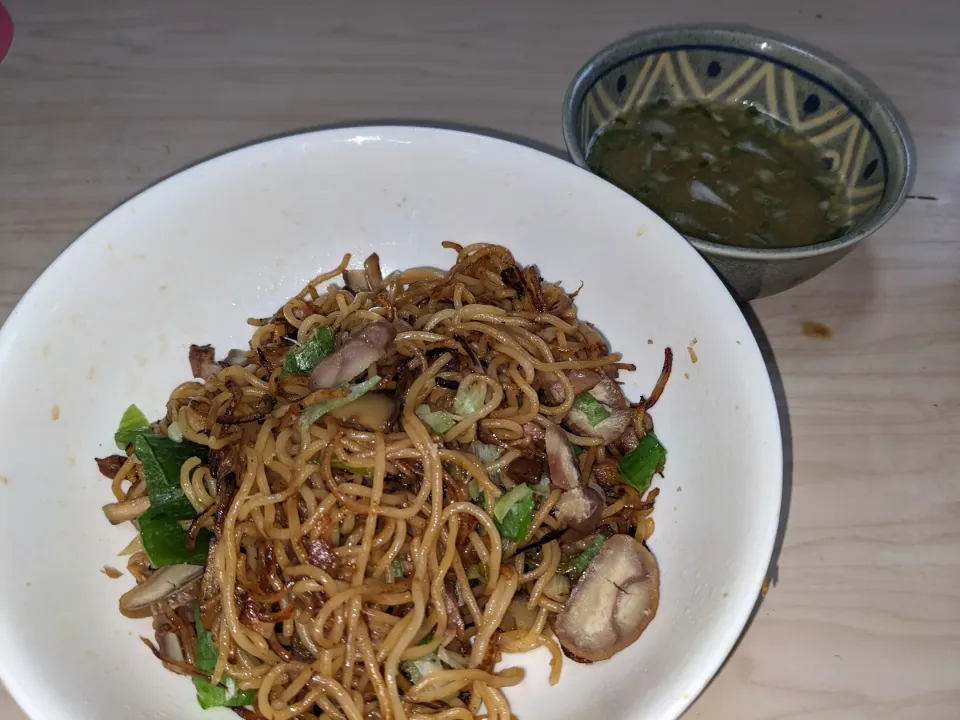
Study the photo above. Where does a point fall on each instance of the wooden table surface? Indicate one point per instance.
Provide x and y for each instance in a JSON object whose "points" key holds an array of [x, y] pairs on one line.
{"points": [[100, 99]]}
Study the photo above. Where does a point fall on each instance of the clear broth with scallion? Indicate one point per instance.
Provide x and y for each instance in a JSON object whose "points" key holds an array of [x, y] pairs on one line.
{"points": [[721, 172]]}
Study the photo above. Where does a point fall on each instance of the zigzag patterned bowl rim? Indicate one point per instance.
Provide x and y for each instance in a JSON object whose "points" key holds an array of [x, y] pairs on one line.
{"points": [[659, 42]]}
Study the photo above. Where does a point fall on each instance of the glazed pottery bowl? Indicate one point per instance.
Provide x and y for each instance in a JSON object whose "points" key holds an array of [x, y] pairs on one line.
{"points": [[857, 134]]}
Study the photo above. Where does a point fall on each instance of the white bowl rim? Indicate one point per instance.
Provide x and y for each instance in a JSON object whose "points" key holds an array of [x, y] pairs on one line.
{"points": [[738, 624]]}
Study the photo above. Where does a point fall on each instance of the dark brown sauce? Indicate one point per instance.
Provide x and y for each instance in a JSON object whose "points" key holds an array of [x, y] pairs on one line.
{"points": [[725, 173]]}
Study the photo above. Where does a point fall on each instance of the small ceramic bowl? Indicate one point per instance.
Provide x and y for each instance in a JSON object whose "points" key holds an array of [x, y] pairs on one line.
{"points": [[858, 135]]}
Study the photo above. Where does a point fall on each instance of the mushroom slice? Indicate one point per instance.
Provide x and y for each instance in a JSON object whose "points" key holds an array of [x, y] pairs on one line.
{"points": [[580, 509], [608, 394], [357, 354], [581, 380], [121, 512], [356, 281], [613, 603], [372, 272], [373, 411], [561, 461], [168, 642], [165, 590]]}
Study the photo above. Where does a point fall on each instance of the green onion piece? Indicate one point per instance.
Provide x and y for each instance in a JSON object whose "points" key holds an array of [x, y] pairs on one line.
{"points": [[416, 670], [582, 561], [469, 399], [209, 695], [513, 512], [318, 410], [473, 488], [639, 465], [396, 569], [305, 358], [161, 533], [591, 407], [440, 421], [162, 459], [165, 541], [132, 424]]}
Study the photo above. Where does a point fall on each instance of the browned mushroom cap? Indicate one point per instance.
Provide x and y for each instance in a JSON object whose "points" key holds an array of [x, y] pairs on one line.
{"points": [[580, 509], [561, 461], [167, 589], [613, 603], [121, 512], [355, 281], [357, 354], [373, 411], [372, 272], [581, 380], [608, 394]]}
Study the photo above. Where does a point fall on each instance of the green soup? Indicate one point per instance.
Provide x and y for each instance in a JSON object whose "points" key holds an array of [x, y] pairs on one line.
{"points": [[726, 173]]}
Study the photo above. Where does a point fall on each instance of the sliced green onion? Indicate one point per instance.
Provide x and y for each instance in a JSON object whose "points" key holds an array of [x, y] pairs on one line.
{"points": [[305, 358], [162, 459], [485, 453], [640, 464], [591, 407], [132, 424], [396, 569], [318, 410], [209, 695], [417, 670], [469, 399], [440, 421], [513, 512], [579, 564]]}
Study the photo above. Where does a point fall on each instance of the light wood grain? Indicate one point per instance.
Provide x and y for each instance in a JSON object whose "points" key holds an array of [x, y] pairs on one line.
{"points": [[99, 99]]}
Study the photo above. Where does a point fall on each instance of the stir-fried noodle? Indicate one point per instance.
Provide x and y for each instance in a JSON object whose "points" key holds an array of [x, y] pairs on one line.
{"points": [[401, 480]]}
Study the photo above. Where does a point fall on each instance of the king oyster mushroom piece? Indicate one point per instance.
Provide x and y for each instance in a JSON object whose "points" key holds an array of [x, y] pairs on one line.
{"points": [[612, 604], [580, 509], [167, 589], [121, 512], [561, 461], [355, 281], [374, 411], [607, 393], [358, 353]]}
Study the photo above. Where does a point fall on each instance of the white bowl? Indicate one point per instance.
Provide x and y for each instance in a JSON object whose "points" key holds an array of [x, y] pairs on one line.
{"points": [[192, 257]]}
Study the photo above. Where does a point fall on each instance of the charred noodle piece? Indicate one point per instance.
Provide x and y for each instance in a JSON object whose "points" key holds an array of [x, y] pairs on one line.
{"points": [[614, 601], [662, 380], [202, 362], [358, 353], [109, 466]]}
